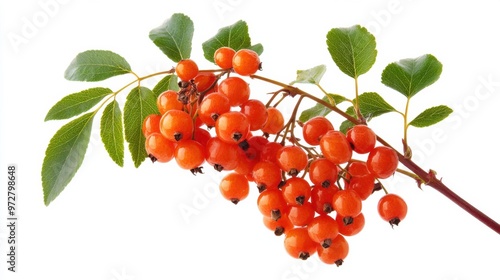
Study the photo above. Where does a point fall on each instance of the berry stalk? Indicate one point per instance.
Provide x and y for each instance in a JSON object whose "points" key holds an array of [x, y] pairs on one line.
{"points": [[428, 177]]}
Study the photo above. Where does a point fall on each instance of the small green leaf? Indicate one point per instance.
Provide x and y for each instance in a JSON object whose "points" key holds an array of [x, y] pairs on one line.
{"points": [[96, 65], [168, 82], [258, 48], [310, 76], [64, 155], [371, 104], [140, 103], [234, 36], [411, 75], [112, 132], [431, 116], [353, 49], [76, 103], [346, 125], [319, 109], [174, 37]]}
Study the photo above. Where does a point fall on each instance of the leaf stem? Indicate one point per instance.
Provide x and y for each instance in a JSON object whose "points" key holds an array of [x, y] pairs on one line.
{"points": [[356, 102], [406, 151]]}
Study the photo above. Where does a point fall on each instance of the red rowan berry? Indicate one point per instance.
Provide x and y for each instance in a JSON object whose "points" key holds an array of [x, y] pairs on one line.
{"points": [[298, 243], [246, 62], [186, 69], [315, 128], [392, 208], [382, 162], [223, 57]]}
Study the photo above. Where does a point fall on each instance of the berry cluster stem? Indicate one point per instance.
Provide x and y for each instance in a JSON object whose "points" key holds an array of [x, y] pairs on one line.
{"points": [[427, 177]]}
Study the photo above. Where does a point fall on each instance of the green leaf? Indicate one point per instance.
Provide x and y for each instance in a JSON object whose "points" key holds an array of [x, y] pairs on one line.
{"points": [[346, 125], [319, 109], [310, 76], [96, 65], [112, 132], [140, 103], [174, 37], [76, 103], [168, 82], [258, 48], [234, 36], [64, 155], [411, 75], [431, 116], [353, 49], [371, 104]]}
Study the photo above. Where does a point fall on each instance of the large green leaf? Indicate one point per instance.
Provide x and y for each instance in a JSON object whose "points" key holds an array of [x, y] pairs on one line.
{"points": [[76, 103], [310, 76], [174, 37], [234, 36], [411, 75], [319, 109], [64, 155], [168, 82], [140, 103], [431, 116], [96, 65], [371, 104], [353, 49], [112, 132]]}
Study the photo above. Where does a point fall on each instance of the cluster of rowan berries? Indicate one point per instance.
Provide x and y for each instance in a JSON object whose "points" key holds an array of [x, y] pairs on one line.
{"points": [[313, 198]]}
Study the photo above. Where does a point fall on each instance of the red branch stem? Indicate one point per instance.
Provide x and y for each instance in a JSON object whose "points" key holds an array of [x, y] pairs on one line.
{"points": [[427, 177]]}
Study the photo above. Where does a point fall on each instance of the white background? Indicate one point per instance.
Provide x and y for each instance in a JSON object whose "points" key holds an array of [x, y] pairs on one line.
{"points": [[116, 223]]}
